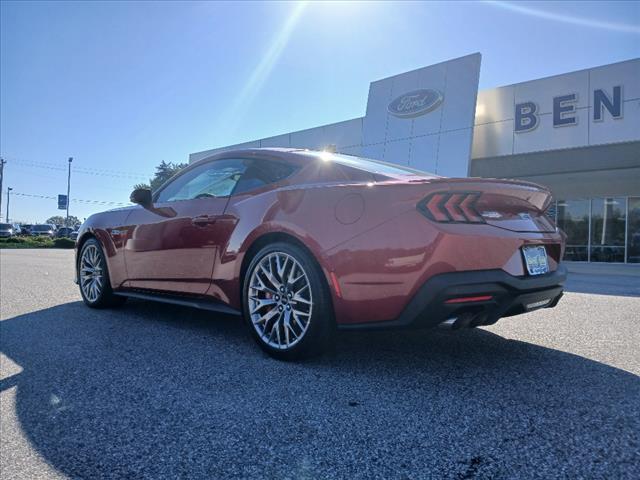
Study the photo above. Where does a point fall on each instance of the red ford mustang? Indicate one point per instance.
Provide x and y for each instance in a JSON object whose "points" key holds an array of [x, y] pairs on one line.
{"points": [[300, 242]]}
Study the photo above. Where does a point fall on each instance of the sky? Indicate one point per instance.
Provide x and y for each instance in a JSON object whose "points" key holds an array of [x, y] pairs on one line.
{"points": [[121, 86]]}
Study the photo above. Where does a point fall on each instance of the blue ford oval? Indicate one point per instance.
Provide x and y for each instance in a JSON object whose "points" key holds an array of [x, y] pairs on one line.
{"points": [[415, 103]]}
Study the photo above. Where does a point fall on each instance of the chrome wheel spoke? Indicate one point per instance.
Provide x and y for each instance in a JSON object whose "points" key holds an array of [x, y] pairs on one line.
{"points": [[297, 320], [261, 287], [276, 325], [270, 277], [288, 329], [259, 303], [301, 300], [272, 331], [280, 300], [264, 319], [281, 268]]}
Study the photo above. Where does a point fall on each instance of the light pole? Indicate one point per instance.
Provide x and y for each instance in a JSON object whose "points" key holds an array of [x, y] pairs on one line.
{"points": [[66, 222], [8, 198], [2, 162]]}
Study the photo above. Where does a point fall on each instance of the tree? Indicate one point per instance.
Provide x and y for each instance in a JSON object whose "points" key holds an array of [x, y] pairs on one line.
{"points": [[56, 220], [164, 172], [59, 221]]}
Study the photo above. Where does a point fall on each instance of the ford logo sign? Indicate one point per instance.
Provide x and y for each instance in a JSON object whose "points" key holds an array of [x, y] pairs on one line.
{"points": [[415, 103]]}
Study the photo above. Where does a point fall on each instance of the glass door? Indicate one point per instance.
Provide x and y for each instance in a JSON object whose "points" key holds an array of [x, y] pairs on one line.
{"points": [[633, 230], [608, 229], [573, 219]]}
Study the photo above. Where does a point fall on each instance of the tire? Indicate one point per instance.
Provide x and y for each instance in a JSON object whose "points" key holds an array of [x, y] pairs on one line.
{"points": [[93, 277], [286, 303]]}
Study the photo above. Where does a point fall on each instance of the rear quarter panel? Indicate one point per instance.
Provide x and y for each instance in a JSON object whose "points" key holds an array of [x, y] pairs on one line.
{"points": [[320, 216], [372, 237]]}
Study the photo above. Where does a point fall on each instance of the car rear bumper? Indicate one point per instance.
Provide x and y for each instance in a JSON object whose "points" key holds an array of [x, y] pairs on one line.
{"points": [[475, 298]]}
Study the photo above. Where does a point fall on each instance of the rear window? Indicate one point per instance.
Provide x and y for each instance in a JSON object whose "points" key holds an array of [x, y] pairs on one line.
{"points": [[41, 228], [373, 166], [4, 226], [261, 173]]}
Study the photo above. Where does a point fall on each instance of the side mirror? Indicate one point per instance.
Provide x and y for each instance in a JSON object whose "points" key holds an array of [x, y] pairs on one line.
{"points": [[141, 196]]}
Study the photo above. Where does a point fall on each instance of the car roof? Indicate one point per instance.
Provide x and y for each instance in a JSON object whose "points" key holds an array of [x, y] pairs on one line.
{"points": [[303, 156], [266, 153]]}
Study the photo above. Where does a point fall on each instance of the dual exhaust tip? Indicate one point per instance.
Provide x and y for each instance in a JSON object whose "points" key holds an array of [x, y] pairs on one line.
{"points": [[465, 320]]}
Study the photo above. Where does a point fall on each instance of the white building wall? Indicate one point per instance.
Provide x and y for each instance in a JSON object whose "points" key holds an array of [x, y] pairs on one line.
{"points": [[438, 140], [495, 123], [462, 127]]}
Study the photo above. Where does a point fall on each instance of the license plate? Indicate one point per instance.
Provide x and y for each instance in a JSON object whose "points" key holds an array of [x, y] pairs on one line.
{"points": [[535, 257]]}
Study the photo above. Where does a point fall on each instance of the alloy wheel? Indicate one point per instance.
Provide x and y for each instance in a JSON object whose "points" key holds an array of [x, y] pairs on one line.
{"points": [[280, 300], [91, 273]]}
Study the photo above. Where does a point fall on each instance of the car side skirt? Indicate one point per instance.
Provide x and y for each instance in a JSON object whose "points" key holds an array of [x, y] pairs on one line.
{"points": [[186, 301]]}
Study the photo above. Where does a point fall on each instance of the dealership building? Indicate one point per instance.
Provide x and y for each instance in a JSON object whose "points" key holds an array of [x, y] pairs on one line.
{"points": [[577, 133]]}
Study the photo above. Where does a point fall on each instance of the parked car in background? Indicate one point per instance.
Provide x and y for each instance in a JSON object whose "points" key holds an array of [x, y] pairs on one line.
{"points": [[43, 231], [7, 230], [17, 230], [74, 235], [26, 228], [64, 232]]}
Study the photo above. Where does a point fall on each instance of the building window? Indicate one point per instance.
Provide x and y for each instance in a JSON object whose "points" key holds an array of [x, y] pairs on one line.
{"points": [[573, 219], [608, 229], [633, 230]]}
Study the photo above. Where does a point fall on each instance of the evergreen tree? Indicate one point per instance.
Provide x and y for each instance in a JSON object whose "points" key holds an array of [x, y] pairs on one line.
{"points": [[164, 172], [59, 221]]}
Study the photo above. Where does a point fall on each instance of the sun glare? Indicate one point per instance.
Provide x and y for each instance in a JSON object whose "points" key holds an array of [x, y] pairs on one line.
{"points": [[326, 156], [558, 17], [262, 71]]}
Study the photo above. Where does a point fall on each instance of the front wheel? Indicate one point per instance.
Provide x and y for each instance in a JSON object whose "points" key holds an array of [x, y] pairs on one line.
{"points": [[93, 277], [286, 302]]}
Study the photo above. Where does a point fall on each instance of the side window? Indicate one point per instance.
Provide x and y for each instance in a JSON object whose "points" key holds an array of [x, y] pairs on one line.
{"points": [[213, 179], [263, 172]]}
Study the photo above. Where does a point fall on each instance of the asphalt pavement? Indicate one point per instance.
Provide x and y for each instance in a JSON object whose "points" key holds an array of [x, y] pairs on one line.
{"points": [[156, 391]]}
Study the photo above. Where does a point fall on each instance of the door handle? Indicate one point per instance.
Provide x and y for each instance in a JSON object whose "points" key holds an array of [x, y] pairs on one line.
{"points": [[203, 220]]}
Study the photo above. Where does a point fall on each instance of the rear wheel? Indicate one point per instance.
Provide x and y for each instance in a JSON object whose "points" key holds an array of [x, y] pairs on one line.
{"points": [[93, 277], [286, 302]]}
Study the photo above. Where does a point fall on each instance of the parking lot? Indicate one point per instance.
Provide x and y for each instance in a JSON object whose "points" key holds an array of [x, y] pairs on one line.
{"points": [[157, 391]]}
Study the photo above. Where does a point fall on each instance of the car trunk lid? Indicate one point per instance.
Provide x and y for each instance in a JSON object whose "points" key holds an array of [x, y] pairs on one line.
{"points": [[509, 204]]}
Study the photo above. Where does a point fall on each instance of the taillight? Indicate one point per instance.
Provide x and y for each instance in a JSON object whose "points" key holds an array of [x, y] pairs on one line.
{"points": [[454, 207]]}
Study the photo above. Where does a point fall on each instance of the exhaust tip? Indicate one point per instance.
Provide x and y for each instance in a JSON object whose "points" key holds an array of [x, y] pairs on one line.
{"points": [[465, 320], [449, 322]]}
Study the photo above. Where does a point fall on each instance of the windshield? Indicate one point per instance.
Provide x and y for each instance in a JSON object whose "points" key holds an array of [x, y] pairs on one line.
{"points": [[5, 226], [42, 228]]}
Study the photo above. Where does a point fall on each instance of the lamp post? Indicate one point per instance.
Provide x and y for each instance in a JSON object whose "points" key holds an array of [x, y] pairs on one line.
{"points": [[8, 198], [66, 222], [2, 162]]}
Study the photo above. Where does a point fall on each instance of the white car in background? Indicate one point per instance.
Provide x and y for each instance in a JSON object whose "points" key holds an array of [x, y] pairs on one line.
{"points": [[44, 230], [7, 230]]}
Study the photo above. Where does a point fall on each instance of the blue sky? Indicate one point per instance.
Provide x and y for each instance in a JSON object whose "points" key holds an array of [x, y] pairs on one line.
{"points": [[121, 86]]}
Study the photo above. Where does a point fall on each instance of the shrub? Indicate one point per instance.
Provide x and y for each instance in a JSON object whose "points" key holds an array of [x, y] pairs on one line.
{"points": [[64, 243], [15, 240], [25, 242]]}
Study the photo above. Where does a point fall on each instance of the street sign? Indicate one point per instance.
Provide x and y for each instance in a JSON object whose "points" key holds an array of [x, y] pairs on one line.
{"points": [[62, 202]]}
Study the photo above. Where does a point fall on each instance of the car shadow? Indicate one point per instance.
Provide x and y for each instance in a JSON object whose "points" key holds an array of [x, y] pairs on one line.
{"points": [[157, 391]]}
